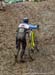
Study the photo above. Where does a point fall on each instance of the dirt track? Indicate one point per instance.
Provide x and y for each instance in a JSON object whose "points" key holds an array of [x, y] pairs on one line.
{"points": [[43, 14]]}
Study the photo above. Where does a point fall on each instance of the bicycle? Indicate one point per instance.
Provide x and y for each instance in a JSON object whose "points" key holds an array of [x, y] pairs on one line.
{"points": [[32, 48]]}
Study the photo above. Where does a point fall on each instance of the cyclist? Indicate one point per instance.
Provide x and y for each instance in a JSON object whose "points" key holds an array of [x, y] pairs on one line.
{"points": [[21, 37]]}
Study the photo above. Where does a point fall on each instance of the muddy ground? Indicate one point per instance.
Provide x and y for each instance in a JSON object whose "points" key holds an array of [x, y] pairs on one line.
{"points": [[42, 13]]}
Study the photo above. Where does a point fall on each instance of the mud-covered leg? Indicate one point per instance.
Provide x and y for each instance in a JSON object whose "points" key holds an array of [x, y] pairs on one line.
{"points": [[23, 50], [21, 55], [18, 49]]}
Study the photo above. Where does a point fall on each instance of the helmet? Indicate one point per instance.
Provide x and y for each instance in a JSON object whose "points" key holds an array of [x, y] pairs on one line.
{"points": [[25, 20]]}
